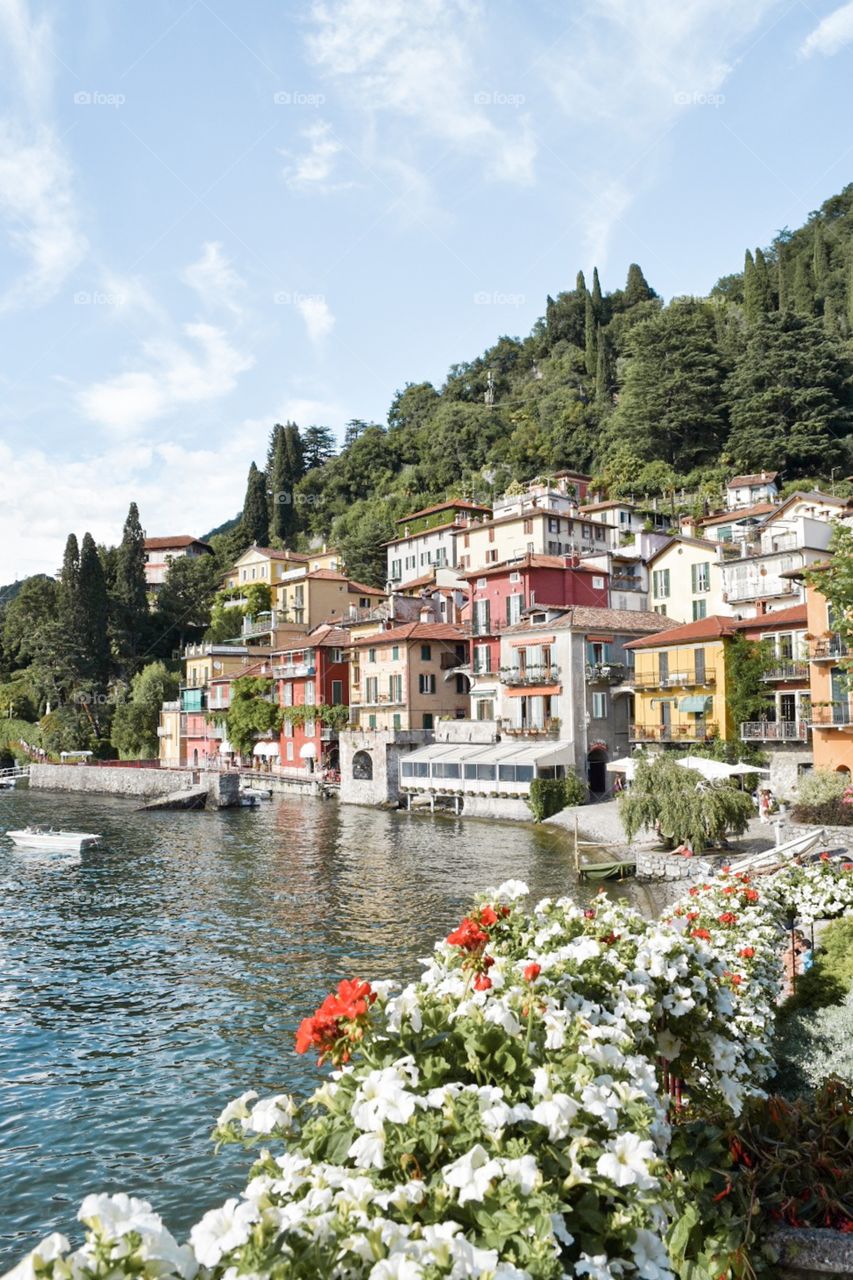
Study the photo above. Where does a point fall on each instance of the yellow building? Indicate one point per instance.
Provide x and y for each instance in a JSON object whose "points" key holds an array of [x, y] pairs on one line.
{"points": [[404, 678], [309, 597], [262, 564], [686, 580], [679, 684]]}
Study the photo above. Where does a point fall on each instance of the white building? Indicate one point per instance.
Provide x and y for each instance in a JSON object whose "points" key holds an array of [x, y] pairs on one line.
{"points": [[427, 540], [746, 491], [160, 553]]}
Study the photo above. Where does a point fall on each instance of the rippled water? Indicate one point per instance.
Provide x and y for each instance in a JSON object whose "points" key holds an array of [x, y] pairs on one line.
{"points": [[144, 985]]}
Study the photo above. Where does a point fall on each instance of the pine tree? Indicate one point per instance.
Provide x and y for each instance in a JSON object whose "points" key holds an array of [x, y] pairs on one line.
{"points": [[789, 398], [255, 516], [130, 592], [94, 610], [590, 337], [284, 468], [318, 446], [850, 295], [671, 405], [637, 288]]}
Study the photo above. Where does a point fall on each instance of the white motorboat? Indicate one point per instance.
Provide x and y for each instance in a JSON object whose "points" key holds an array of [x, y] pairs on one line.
{"points": [[49, 838], [769, 859]]}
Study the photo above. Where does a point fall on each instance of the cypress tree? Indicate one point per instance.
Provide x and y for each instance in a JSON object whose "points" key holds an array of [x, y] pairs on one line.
{"points": [[802, 290], [130, 592], [782, 280], [850, 296], [597, 299], [69, 586], [256, 526], [94, 611], [295, 456], [580, 285], [751, 309], [820, 259], [830, 317], [603, 369], [284, 468], [637, 287], [590, 332], [763, 283]]}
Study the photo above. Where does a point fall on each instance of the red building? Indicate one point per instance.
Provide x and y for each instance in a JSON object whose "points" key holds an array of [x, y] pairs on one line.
{"points": [[501, 593], [315, 674]]}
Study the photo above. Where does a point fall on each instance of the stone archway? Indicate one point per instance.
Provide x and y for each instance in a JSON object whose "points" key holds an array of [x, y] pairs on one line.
{"points": [[596, 771], [362, 766]]}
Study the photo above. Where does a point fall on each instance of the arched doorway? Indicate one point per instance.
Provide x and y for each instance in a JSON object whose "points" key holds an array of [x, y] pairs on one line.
{"points": [[596, 771], [362, 766], [195, 758]]}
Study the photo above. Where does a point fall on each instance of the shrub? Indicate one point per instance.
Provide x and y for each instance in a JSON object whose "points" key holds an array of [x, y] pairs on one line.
{"points": [[681, 806], [820, 786], [549, 795], [575, 789], [831, 975], [827, 813]]}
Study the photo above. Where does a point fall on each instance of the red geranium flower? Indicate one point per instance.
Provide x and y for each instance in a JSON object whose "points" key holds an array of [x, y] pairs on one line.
{"points": [[532, 972], [728, 917], [751, 895], [469, 936], [482, 983], [701, 933], [747, 952], [338, 1023], [487, 916], [590, 913]]}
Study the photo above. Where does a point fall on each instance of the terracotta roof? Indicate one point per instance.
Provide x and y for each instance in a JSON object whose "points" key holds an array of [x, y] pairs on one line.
{"points": [[454, 504], [422, 533], [604, 506], [764, 477], [272, 554], [328, 635], [536, 513], [811, 495], [532, 560], [413, 631], [362, 589], [793, 616], [743, 513], [179, 540], [711, 628], [580, 616]]}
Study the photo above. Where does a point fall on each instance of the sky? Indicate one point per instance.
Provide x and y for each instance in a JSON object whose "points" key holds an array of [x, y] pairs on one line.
{"points": [[217, 215]]}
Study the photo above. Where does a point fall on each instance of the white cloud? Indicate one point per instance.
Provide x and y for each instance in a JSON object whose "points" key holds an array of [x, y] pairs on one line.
{"points": [[830, 35], [36, 187], [174, 375], [318, 318], [44, 496], [214, 279], [313, 168], [416, 61]]}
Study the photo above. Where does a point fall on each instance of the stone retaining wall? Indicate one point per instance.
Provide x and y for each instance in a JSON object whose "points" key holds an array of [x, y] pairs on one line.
{"points": [[812, 1254], [655, 864], [836, 837], [135, 784]]}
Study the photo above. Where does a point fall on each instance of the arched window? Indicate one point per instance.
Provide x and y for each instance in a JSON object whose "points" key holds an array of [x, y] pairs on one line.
{"points": [[362, 766]]}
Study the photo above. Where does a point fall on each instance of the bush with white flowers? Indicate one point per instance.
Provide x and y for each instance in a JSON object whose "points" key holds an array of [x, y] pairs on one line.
{"points": [[507, 1116]]}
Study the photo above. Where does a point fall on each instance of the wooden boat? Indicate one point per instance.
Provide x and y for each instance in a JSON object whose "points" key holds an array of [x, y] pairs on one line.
{"points": [[48, 838], [769, 858], [607, 870]]}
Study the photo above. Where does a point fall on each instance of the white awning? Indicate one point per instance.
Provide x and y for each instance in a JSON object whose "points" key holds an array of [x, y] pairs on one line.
{"points": [[265, 749], [308, 751], [623, 765]]}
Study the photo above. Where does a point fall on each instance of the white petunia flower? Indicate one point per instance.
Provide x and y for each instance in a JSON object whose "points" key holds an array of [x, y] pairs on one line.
{"points": [[368, 1151], [625, 1161], [270, 1114], [650, 1256], [222, 1230], [509, 891], [238, 1109], [52, 1247], [472, 1174]]}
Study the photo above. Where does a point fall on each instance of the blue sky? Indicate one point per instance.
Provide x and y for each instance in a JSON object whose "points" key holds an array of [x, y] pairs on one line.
{"points": [[216, 215]]}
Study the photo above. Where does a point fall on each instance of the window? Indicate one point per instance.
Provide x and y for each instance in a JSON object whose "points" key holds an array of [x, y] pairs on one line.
{"points": [[396, 571], [599, 706], [700, 609], [309, 695], [371, 722], [485, 711], [481, 583], [288, 695], [446, 769], [597, 583], [482, 660], [514, 606], [492, 556], [480, 772], [396, 721], [482, 619], [337, 655], [700, 575], [395, 688], [356, 677], [309, 728], [661, 609], [414, 769], [426, 652], [289, 751], [553, 524], [288, 729], [337, 692], [660, 583], [515, 576], [427, 719], [515, 772], [599, 533], [699, 665], [371, 655], [426, 682], [395, 653], [371, 689], [724, 533], [528, 526], [491, 535]]}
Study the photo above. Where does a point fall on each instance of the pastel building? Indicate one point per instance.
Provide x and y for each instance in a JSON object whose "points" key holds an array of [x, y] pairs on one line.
{"points": [[313, 674], [408, 677], [686, 580], [161, 553], [679, 684], [428, 540]]}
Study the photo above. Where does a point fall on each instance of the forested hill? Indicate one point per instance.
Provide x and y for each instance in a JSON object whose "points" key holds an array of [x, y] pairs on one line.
{"points": [[756, 375]]}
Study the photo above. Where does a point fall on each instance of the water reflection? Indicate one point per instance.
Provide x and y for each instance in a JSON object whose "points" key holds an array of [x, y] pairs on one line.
{"points": [[144, 984]]}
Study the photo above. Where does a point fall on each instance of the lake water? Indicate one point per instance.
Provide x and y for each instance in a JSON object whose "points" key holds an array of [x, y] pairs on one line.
{"points": [[144, 985]]}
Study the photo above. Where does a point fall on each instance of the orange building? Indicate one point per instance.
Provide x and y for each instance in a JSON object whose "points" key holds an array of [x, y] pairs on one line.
{"points": [[831, 706]]}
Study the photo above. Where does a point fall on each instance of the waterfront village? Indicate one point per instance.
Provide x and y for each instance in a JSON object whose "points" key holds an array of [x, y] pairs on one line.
{"points": [[547, 633]]}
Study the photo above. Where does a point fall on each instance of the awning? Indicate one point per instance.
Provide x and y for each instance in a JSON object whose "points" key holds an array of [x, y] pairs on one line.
{"points": [[265, 749], [308, 752], [533, 690], [695, 702]]}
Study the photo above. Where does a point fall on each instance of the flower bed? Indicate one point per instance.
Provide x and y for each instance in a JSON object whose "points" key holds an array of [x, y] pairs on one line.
{"points": [[510, 1115]]}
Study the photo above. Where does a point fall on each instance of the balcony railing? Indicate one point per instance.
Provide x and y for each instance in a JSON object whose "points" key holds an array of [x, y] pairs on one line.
{"points": [[758, 588], [830, 647], [673, 679], [629, 583], [290, 670], [611, 672], [835, 715], [539, 673], [672, 732], [774, 731], [788, 671]]}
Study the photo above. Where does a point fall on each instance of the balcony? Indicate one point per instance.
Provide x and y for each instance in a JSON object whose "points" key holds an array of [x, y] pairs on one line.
{"points": [[760, 588], [291, 670], [630, 582], [193, 699], [835, 715], [449, 661], [540, 673], [672, 732], [550, 729], [788, 671], [828, 648], [606, 672], [673, 679], [774, 731], [172, 706]]}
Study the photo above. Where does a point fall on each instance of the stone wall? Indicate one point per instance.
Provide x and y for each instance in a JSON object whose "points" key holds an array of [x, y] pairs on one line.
{"points": [[135, 784], [655, 864], [384, 748], [784, 775], [836, 837]]}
